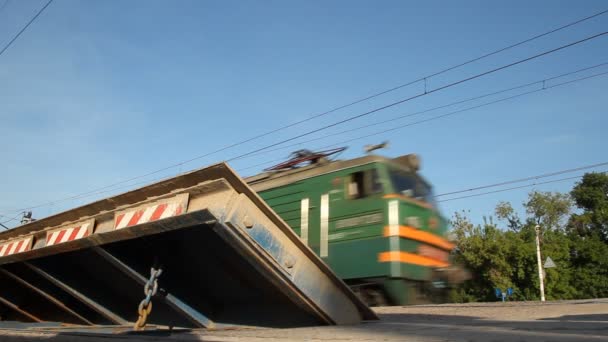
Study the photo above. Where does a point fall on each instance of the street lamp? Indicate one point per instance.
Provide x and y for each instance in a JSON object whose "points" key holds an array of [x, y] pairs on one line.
{"points": [[540, 267]]}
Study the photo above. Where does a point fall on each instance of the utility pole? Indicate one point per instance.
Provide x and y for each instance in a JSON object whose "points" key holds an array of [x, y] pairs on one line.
{"points": [[540, 266]]}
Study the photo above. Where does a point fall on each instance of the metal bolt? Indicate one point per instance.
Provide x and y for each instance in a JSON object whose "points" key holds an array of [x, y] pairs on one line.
{"points": [[290, 262], [248, 222]]}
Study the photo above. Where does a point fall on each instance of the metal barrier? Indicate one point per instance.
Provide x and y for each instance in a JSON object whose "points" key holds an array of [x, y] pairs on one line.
{"points": [[200, 250]]}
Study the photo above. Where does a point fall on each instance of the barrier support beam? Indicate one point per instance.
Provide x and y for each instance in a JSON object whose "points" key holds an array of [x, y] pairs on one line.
{"points": [[84, 299], [19, 310], [47, 296], [179, 306]]}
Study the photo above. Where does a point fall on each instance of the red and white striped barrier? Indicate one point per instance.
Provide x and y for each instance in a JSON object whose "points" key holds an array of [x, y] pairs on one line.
{"points": [[151, 213], [16, 246], [69, 234]]}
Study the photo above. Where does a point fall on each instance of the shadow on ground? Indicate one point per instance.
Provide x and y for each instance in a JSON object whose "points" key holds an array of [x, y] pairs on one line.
{"points": [[588, 318], [391, 327]]}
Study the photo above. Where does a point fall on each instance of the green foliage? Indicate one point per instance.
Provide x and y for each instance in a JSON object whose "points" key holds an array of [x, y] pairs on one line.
{"points": [[484, 249], [591, 195], [589, 266], [502, 257], [548, 209], [505, 211]]}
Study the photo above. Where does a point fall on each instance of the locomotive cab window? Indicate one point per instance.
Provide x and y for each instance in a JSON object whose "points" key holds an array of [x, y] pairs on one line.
{"points": [[411, 185], [363, 184]]}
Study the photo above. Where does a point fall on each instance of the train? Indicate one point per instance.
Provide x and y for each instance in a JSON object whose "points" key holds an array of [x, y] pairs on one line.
{"points": [[373, 220]]}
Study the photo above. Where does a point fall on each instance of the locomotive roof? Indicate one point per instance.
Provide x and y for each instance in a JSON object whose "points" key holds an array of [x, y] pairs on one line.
{"points": [[273, 179]]}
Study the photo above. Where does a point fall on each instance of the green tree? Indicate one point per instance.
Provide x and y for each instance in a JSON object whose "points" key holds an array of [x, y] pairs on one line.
{"points": [[548, 209], [591, 195], [589, 264], [502, 258], [484, 250], [506, 257], [505, 211], [588, 233]]}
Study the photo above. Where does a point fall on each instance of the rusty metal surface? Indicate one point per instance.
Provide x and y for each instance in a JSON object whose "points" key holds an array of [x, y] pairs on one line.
{"points": [[50, 298], [227, 259], [7, 303]]}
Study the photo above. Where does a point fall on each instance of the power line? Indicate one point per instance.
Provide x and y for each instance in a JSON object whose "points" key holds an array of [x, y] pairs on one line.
{"points": [[545, 175], [25, 27], [480, 187], [424, 78], [520, 43], [260, 164], [336, 108], [461, 111], [551, 174], [539, 82], [470, 108], [10, 219], [92, 193], [514, 188], [443, 115], [339, 122], [437, 73], [88, 194], [449, 85]]}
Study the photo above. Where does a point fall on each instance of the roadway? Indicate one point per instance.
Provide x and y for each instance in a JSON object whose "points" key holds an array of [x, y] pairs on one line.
{"points": [[583, 320]]}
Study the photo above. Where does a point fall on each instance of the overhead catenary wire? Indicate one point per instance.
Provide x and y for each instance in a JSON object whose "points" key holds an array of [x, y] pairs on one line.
{"points": [[260, 164], [425, 93], [392, 129], [459, 111], [10, 219], [25, 27], [513, 188], [437, 73], [452, 113], [403, 116], [545, 175], [517, 44], [239, 143], [452, 84], [467, 109]]}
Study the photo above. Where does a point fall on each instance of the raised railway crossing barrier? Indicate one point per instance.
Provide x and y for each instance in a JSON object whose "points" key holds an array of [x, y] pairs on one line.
{"points": [[200, 250]]}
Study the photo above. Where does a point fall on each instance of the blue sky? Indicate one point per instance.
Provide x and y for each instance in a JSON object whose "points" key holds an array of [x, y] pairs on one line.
{"points": [[96, 92]]}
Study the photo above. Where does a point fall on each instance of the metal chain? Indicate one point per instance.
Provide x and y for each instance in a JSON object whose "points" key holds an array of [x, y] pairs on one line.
{"points": [[145, 306]]}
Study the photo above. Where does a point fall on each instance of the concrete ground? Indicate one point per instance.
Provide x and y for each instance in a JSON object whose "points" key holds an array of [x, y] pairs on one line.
{"points": [[585, 320]]}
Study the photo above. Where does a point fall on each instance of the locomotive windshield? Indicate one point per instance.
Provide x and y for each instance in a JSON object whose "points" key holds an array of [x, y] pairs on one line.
{"points": [[411, 185]]}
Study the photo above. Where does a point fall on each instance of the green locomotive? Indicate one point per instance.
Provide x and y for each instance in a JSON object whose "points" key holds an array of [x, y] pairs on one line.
{"points": [[372, 219]]}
